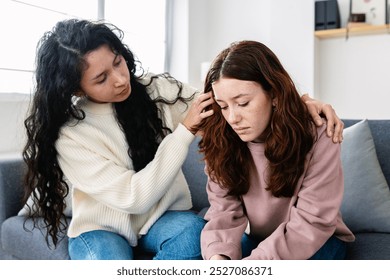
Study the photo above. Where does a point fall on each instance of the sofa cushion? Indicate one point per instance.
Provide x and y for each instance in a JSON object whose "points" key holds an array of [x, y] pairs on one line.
{"points": [[366, 202], [369, 246], [193, 169], [28, 243], [12, 170]]}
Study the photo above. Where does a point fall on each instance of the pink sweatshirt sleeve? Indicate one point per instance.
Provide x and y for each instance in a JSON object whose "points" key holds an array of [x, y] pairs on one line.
{"points": [[226, 224], [313, 218]]}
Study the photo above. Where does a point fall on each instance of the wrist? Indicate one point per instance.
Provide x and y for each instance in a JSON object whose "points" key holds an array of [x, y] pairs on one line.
{"points": [[190, 129]]}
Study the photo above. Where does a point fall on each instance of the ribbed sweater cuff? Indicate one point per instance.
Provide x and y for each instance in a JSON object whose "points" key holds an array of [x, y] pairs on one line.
{"points": [[183, 134]]}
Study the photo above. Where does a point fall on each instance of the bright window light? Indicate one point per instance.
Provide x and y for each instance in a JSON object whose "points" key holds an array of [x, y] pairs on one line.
{"points": [[24, 22], [144, 25]]}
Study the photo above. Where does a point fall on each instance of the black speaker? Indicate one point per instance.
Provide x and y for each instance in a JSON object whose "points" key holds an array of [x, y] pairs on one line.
{"points": [[327, 15]]}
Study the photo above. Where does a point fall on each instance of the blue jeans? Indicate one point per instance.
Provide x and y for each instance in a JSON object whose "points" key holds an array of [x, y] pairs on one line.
{"points": [[174, 236], [333, 249]]}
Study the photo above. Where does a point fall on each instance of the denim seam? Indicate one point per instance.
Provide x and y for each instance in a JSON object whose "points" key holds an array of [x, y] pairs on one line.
{"points": [[87, 245]]}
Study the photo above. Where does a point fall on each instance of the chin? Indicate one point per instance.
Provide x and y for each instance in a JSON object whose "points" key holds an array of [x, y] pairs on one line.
{"points": [[247, 138], [124, 97]]}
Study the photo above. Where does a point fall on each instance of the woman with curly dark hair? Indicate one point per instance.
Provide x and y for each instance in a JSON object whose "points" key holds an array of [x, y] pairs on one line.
{"points": [[275, 179], [115, 142]]}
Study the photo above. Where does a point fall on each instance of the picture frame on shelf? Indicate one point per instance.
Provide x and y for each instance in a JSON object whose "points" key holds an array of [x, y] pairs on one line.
{"points": [[376, 11]]}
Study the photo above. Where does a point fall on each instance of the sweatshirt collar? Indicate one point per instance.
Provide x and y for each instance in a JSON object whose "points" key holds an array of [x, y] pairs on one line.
{"points": [[95, 108]]}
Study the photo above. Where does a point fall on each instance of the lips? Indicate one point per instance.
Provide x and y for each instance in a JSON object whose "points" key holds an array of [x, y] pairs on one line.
{"points": [[125, 90], [240, 130]]}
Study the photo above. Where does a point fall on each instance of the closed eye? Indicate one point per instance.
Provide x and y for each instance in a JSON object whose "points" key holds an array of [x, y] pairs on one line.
{"points": [[102, 80], [243, 104], [118, 62]]}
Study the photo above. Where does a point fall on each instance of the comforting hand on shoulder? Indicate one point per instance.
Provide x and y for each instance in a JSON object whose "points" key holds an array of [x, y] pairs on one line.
{"points": [[334, 125]]}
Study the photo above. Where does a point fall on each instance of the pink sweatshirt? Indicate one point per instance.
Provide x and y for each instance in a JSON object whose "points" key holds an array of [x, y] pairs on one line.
{"points": [[291, 227]]}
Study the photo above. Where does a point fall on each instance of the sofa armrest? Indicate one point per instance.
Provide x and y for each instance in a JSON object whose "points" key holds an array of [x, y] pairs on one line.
{"points": [[12, 170]]}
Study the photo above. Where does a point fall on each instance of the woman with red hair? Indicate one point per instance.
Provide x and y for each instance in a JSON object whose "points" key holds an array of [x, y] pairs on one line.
{"points": [[275, 179]]}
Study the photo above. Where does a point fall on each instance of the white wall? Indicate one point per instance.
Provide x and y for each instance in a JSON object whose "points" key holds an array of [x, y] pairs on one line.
{"points": [[291, 38], [180, 49], [353, 74], [13, 108], [285, 26], [202, 28]]}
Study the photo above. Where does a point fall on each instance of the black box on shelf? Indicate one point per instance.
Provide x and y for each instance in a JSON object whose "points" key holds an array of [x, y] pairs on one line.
{"points": [[327, 15]]}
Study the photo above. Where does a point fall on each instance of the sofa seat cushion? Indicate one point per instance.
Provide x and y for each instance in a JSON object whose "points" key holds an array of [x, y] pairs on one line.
{"points": [[369, 246], [29, 244]]}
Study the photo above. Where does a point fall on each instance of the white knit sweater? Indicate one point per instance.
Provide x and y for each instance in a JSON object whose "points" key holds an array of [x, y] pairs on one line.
{"points": [[107, 193]]}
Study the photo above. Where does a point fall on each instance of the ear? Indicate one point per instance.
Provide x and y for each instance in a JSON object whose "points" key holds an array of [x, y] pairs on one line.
{"points": [[274, 102]]}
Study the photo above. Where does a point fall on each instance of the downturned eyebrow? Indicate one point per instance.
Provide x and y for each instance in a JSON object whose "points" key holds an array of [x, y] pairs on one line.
{"points": [[235, 97]]}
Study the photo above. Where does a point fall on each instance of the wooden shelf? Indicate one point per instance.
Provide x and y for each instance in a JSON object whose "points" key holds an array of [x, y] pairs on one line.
{"points": [[353, 31]]}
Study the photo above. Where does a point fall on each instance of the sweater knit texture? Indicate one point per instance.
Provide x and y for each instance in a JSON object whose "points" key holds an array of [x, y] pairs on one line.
{"points": [[107, 194], [290, 227]]}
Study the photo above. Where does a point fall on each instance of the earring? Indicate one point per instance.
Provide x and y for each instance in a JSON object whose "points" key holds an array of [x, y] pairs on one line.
{"points": [[79, 94]]}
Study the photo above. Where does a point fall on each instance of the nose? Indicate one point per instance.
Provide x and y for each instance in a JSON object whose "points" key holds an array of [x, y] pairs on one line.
{"points": [[234, 116], [119, 79]]}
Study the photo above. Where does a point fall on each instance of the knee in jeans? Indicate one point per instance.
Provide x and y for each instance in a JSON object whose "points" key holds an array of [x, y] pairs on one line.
{"points": [[79, 249], [99, 245], [195, 226]]}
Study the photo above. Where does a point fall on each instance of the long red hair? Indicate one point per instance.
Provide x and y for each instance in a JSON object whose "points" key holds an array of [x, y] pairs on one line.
{"points": [[290, 135]]}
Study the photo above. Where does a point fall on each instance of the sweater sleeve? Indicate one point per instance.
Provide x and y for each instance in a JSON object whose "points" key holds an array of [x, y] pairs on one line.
{"points": [[113, 184], [313, 217], [226, 224]]}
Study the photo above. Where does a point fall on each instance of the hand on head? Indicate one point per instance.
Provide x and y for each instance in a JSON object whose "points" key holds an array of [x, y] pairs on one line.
{"points": [[197, 111]]}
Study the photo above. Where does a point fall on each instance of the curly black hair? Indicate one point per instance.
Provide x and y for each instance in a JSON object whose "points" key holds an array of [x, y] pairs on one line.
{"points": [[59, 66]]}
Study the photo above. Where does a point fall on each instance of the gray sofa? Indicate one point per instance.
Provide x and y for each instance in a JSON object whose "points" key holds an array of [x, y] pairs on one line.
{"points": [[17, 243]]}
